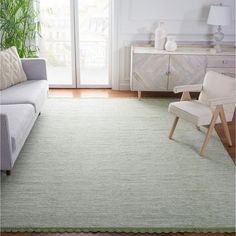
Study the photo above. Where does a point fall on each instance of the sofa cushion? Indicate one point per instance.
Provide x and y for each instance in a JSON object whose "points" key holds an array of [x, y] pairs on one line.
{"points": [[28, 92], [20, 117], [11, 70]]}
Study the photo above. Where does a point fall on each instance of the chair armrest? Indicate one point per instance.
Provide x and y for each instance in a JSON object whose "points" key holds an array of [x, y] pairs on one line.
{"points": [[34, 68], [188, 88], [221, 101], [6, 147]]}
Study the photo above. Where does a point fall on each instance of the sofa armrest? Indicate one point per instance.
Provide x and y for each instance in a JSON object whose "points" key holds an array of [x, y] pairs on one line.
{"points": [[188, 88], [6, 147], [34, 68]]}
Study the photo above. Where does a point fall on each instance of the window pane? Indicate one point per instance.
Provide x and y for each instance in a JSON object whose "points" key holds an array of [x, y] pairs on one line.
{"points": [[55, 44], [94, 42]]}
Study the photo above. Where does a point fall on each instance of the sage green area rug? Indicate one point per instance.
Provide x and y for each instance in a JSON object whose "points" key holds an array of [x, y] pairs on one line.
{"points": [[107, 165]]}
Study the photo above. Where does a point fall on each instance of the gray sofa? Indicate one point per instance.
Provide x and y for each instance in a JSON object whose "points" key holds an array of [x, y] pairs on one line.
{"points": [[20, 106]]}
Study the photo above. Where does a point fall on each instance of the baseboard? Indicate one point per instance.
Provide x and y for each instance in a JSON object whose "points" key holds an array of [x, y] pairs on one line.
{"points": [[124, 86]]}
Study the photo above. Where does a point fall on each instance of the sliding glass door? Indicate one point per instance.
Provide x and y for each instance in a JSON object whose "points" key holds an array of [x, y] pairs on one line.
{"points": [[93, 37], [56, 44], [76, 42]]}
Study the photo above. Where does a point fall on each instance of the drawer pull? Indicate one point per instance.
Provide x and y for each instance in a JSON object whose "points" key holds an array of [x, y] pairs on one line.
{"points": [[221, 61]]}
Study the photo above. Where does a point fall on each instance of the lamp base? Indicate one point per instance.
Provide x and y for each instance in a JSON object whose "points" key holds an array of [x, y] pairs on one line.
{"points": [[218, 48], [218, 37]]}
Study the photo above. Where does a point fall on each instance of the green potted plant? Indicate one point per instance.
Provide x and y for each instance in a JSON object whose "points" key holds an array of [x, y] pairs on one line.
{"points": [[19, 26]]}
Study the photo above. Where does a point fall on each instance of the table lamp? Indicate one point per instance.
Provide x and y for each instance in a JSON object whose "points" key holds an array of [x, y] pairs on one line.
{"points": [[220, 16]]}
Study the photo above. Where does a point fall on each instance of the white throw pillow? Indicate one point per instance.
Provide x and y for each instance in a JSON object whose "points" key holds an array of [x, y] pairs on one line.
{"points": [[11, 70]]}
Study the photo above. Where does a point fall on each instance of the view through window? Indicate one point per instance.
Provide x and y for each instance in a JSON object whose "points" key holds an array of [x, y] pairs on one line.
{"points": [[92, 39], [55, 44]]}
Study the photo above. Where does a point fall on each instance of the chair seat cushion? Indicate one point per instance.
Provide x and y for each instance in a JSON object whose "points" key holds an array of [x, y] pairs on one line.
{"points": [[192, 111], [28, 92], [20, 117]]}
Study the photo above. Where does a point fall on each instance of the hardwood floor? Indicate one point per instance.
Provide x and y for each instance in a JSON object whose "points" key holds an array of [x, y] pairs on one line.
{"points": [[105, 93], [116, 234], [108, 93]]}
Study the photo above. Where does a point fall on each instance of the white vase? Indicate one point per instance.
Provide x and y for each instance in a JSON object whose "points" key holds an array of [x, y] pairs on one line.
{"points": [[160, 36], [171, 44]]}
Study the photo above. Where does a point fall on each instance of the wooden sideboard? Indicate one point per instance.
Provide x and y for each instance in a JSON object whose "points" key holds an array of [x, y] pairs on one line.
{"points": [[159, 70]]}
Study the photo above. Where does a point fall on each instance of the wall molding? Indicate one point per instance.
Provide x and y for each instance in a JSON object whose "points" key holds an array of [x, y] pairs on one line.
{"points": [[194, 10]]}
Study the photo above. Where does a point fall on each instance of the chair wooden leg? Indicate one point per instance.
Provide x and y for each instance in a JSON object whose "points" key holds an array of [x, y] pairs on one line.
{"points": [[225, 125], [210, 129], [8, 172], [139, 95], [173, 127], [185, 96]]}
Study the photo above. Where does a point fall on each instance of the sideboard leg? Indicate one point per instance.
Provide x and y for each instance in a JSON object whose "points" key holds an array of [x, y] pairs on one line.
{"points": [[139, 95]]}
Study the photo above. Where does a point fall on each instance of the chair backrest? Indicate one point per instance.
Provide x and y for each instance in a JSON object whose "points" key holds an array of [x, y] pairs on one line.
{"points": [[216, 86]]}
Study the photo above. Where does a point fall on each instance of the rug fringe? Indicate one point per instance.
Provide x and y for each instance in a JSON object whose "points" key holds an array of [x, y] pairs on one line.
{"points": [[117, 230]]}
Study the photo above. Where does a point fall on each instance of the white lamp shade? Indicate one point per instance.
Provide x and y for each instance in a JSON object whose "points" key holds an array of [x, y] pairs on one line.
{"points": [[219, 15]]}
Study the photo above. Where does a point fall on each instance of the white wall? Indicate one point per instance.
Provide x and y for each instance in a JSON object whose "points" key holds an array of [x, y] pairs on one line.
{"points": [[135, 20]]}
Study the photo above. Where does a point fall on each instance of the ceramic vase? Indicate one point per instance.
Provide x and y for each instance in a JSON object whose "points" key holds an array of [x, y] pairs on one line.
{"points": [[171, 44], [160, 36]]}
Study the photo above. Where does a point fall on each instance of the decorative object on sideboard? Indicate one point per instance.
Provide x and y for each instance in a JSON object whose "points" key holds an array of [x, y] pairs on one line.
{"points": [[171, 44], [219, 16], [160, 36]]}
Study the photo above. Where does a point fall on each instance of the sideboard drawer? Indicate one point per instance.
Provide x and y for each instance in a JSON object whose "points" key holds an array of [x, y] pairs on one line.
{"points": [[220, 61], [225, 71]]}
